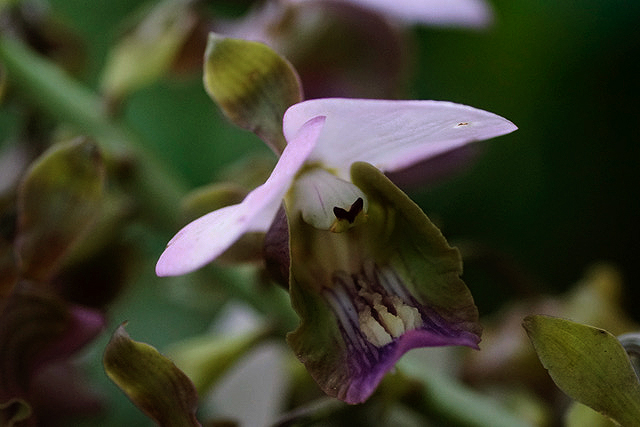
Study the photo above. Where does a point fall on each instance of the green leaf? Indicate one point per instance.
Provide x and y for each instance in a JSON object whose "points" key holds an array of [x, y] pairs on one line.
{"points": [[417, 249], [151, 381], [252, 84], [59, 199], [588, 364], [579, 415]]}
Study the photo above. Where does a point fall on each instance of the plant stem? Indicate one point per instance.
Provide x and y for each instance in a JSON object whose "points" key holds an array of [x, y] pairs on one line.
{"points": [[458, 404], [50, 89]]}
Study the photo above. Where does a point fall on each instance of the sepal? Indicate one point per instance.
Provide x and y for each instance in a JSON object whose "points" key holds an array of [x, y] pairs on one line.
{"points": [[252, 85], [148, 51], [152, 382]]}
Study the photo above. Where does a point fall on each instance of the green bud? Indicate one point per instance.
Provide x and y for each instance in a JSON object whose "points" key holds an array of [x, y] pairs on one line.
{"points": [[59, 199], [148, 52], [252, 84], [210, 198], [152, 382], [215, 196]]}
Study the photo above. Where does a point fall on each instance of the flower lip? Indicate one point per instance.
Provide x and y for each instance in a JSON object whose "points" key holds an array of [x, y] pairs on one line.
{"points": [[380, 321], [368, 295]]}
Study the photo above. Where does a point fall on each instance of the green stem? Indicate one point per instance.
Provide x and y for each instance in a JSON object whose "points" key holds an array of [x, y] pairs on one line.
{"points": [[159, 193], [458, 404], [58, 95], [268, 300]]}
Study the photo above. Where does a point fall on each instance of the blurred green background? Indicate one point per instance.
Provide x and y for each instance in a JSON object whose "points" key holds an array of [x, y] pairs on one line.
{"points": [[548, 200]]}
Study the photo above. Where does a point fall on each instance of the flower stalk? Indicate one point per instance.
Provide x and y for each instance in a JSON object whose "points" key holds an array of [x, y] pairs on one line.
{"points": [[50, 89]]}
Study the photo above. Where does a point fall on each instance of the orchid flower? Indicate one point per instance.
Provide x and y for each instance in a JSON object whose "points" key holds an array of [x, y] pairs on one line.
{"points": [[373, 315], [369, 275]]}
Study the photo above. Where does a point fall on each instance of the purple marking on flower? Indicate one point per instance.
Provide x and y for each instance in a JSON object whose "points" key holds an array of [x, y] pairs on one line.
{"points": [[332, 134], [365, 378], [372, 292], [377, 297]]}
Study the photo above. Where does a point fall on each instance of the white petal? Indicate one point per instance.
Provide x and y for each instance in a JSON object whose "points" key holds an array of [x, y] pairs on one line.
{"points": [[204, 239], [391, 135], [465, 13]]}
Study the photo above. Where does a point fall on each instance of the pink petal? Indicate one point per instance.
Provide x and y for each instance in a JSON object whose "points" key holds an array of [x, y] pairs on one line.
{"points": [[465, 13], [391, 135], [204, 239]]}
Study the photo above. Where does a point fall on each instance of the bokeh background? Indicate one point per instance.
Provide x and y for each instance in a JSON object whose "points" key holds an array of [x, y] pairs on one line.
{"points": [[535, 210]]}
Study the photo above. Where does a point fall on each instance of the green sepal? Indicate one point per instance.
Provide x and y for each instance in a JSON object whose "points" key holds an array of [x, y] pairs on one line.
{"points": [[252, 84], [152, 382], [147, 52], [59, 199], [588, 364], [13, 411], [408, 240], [205, 359]]}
